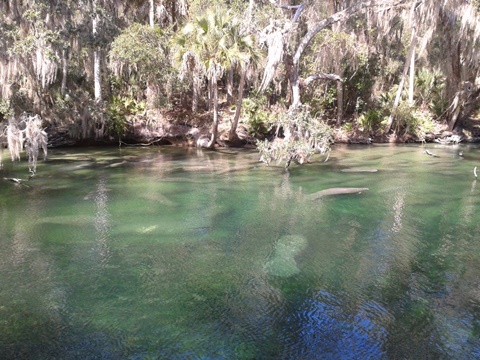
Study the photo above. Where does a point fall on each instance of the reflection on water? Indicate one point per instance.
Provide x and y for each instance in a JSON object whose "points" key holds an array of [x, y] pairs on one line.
{"points": [[183, 253], [102, 221]]}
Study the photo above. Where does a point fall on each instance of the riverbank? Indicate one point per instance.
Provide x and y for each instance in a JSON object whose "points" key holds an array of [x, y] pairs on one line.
{"points": [[183, 129]]}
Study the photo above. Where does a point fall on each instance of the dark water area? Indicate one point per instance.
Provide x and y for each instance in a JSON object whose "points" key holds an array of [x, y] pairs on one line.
{"points": [[168, 253]]}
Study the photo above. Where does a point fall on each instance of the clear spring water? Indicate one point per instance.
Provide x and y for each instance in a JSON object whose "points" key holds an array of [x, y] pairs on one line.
{"points": [[166, 253]]}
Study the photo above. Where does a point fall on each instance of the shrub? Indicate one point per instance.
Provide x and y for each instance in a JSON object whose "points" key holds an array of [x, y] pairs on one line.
{"points": [[304, 136], [118, 112], [369, 120], [255, 117]]}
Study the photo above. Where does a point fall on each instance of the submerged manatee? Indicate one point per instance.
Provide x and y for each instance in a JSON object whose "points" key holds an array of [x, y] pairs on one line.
{"points": [[359, 170], [282, 261], [336, 191]]}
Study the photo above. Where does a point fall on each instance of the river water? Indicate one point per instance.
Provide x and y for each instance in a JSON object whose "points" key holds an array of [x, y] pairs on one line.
{"points": [[168, 253]]}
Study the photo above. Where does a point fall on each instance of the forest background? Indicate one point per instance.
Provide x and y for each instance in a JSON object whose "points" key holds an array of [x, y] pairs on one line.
{"points": [[290, 77]]}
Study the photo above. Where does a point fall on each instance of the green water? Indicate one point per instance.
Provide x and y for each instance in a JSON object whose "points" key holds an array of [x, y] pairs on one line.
{"points": [[166, 253]]}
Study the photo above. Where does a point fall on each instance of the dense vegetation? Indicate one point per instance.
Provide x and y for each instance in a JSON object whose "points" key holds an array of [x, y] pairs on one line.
{"points": [[222, 71]]}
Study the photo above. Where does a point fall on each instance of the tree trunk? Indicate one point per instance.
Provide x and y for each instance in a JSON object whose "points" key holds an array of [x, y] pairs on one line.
{"points": [[339, 16], [412, 79], [250, 12], [339, 100], [232, 135], [464, 104], [96, 57], [452, 63], [63, 89], [410, 53], [230, 86], [337, 6], [295, 85], [339, 72], [214, 87], [195, 92], [174, 15], [97, 75], [413, 21], [16, 13], [152, 13]]}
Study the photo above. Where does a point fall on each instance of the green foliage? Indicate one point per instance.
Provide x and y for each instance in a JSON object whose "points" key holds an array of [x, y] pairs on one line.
{"points": [[369, 120], [256, 117], [40, 37], [411, 120], [423, 124], [429, 90], [305, 136], [216, 39], [140, 49], [322, 99], [6, 110], [339, 53], [141, 62], [348, 127], [359, 82], [415, 119], [118, 112]]}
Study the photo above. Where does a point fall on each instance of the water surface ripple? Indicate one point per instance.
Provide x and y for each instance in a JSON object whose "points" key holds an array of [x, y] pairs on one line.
{"points": [[166, 253]]}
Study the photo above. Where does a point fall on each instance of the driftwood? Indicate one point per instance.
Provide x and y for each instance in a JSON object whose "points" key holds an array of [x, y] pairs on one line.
{"points": [[336, 191]]}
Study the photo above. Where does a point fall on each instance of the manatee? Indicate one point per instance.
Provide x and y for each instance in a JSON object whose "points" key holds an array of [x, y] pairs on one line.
{"points": [[359, 170], [336, 191], [282, 261]]}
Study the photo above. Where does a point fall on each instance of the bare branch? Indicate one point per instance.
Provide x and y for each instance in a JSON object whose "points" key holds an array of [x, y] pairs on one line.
{"points": [[311, 78], [298, 12], [340, 16]]}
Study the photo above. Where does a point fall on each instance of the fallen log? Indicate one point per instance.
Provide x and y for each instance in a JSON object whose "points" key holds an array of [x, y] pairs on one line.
{"points": [[336, 191]]}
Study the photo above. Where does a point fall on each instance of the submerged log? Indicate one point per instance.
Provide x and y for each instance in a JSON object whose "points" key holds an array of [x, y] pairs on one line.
{"points": [[336, 191]]}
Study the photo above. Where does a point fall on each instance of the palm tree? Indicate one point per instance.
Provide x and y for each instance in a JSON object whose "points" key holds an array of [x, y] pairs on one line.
{"points": [[248, 56], [210, 45]]}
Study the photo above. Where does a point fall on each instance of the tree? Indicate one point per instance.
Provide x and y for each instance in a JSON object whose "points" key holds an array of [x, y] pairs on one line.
{"points": [[142, 51], [409, 65], [249, 57], [453, 27], [209, 45], [53, 57], [307, 136], [308, 36], [26, 132]]}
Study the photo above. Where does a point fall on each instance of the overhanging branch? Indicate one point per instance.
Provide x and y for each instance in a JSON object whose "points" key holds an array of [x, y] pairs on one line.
{"points": [[299, 9], [311, 78], [340, 16]]}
